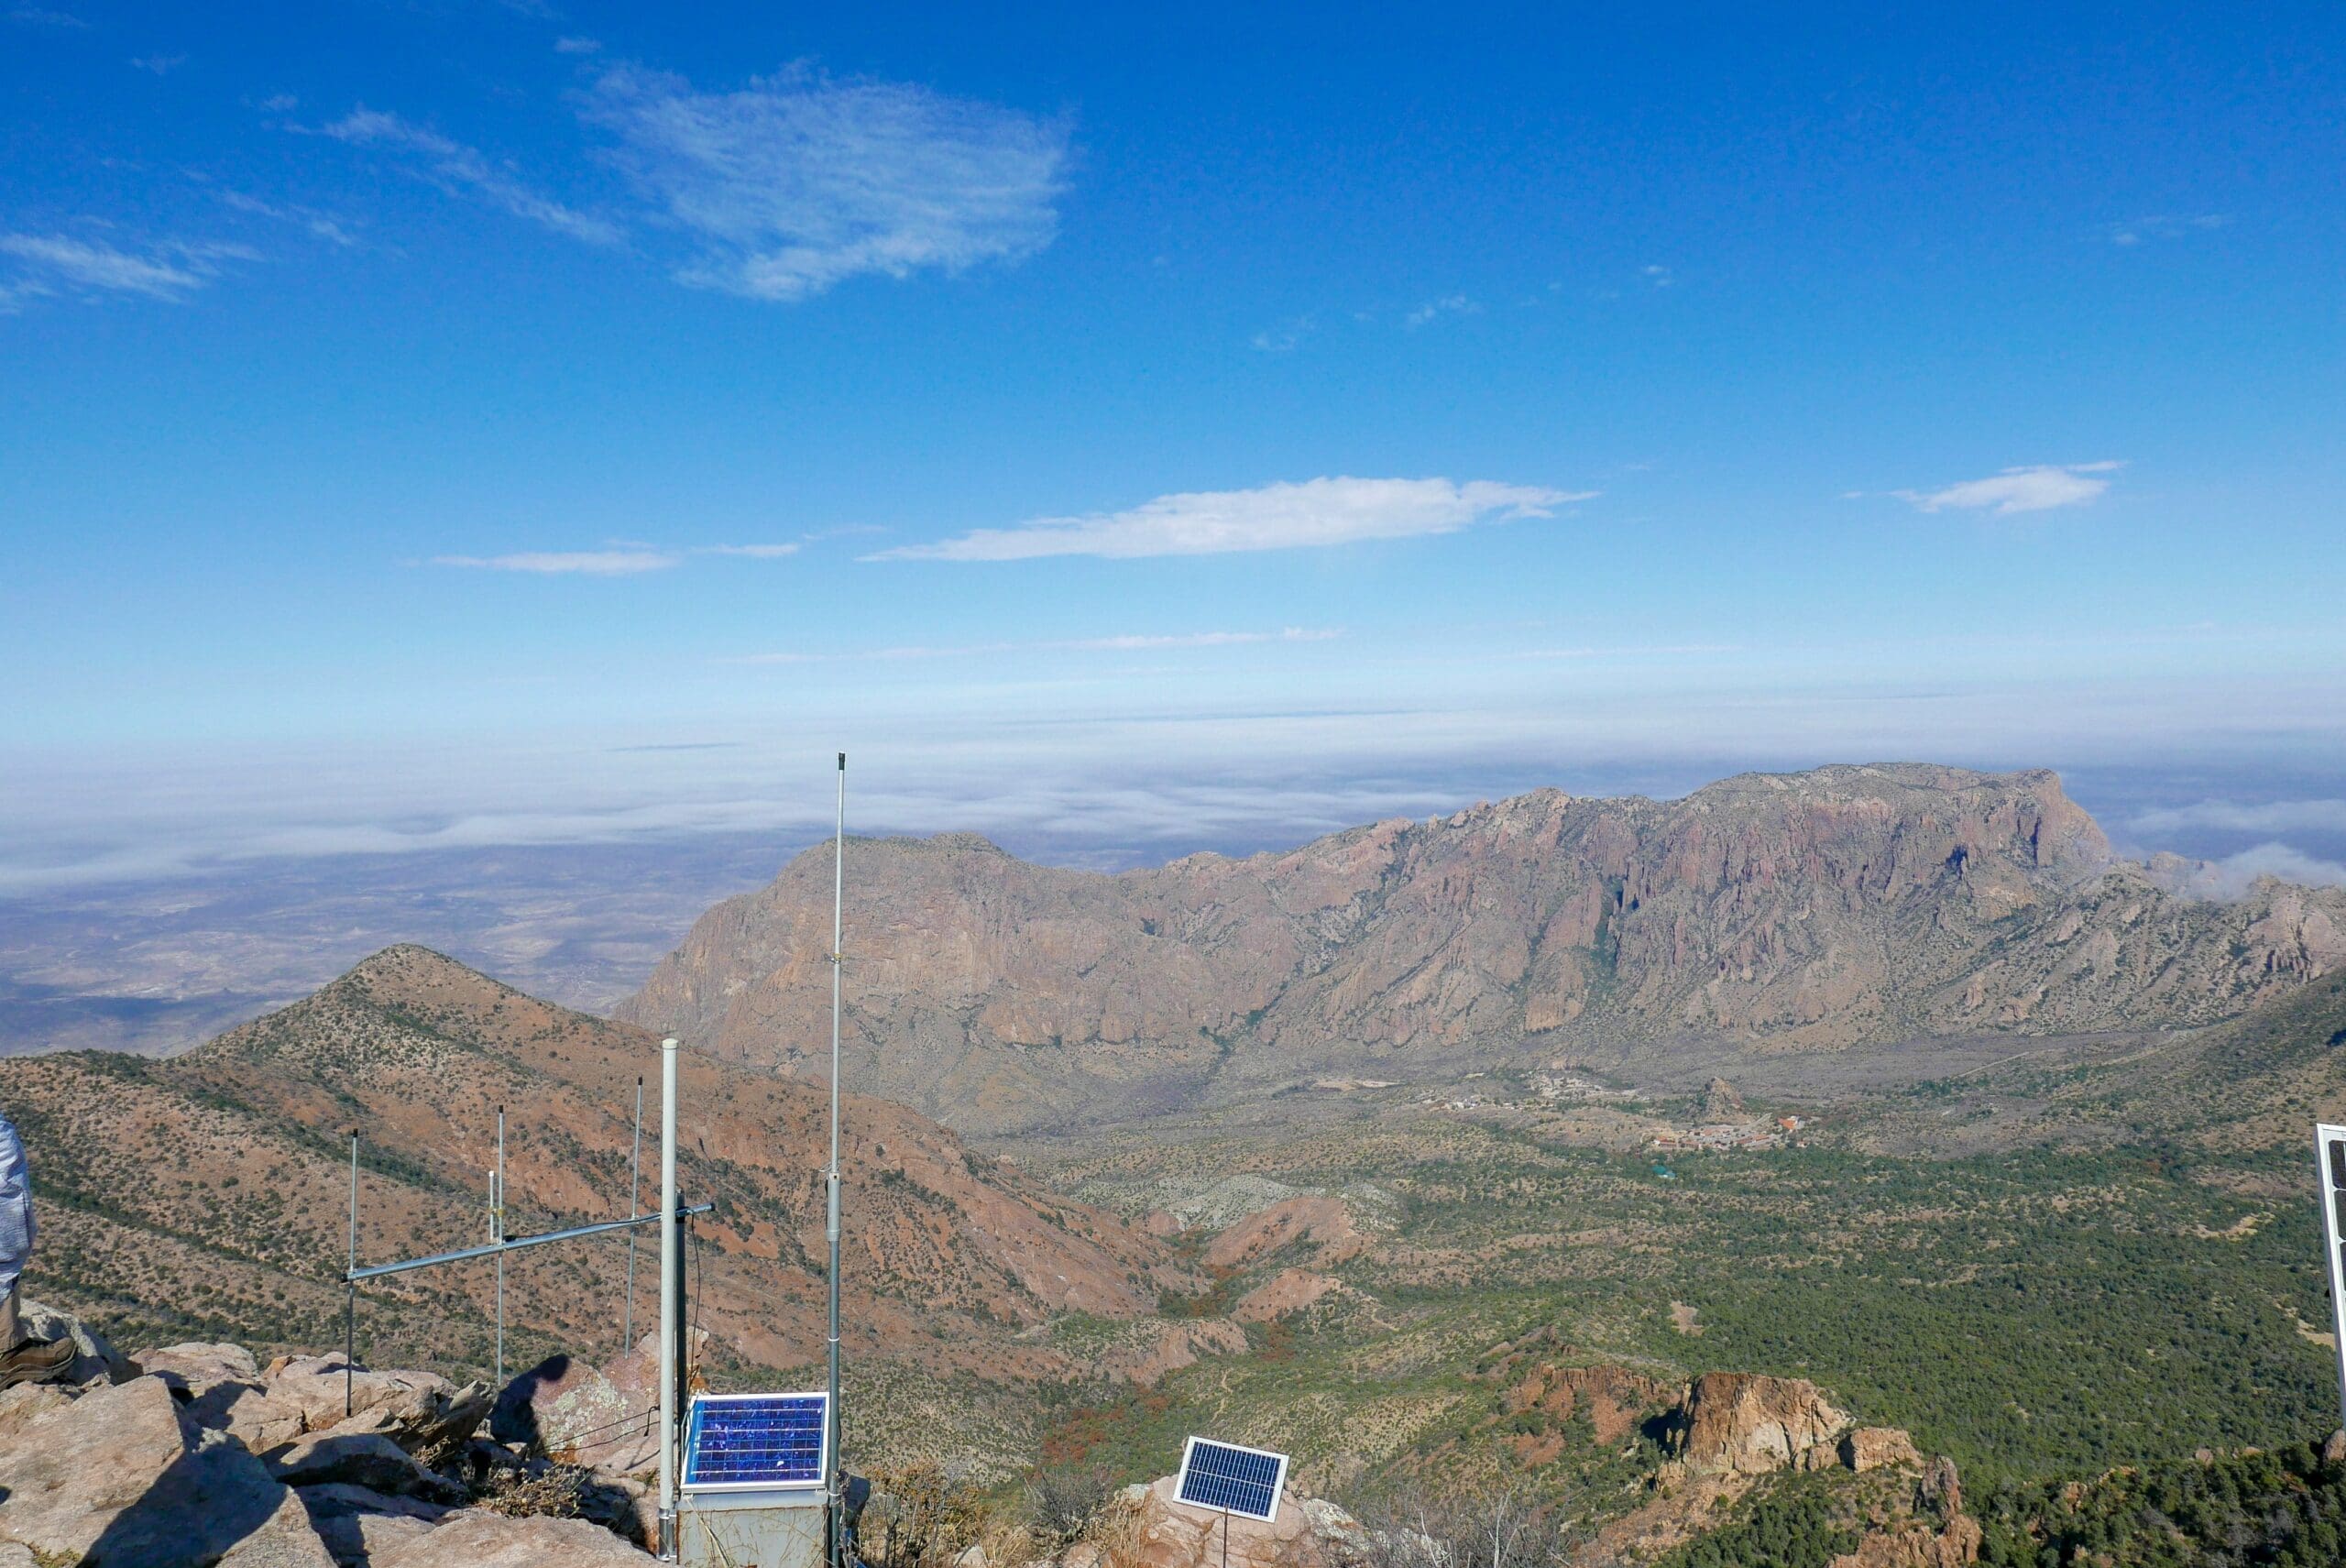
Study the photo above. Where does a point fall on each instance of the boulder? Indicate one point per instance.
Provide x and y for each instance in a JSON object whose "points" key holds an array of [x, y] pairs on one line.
{"points": [[474, 1539], [285, 1539], [247, 1414], [196, 1367], [120, 1476], [359, 1459], [565, 1408], [2334, 1451], [21, 1404], [1152, 1530], [94, 1358], [1751, 1424], [416, 1410], [635, 1378], [360, 1525]]}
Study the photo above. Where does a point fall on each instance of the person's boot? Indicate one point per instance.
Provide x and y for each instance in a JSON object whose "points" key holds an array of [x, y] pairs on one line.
{"points": [[35, 1361]]}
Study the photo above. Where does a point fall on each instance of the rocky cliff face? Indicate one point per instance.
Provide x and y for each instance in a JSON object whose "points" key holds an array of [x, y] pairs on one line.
{"points": [[1817, 909]]}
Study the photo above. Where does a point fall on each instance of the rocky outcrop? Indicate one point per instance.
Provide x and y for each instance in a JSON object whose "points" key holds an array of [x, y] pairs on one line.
{"points": [[1816, 909], [120, 1475], [159, 1470], [565, 1408], [1145, 1527], [1752, 1424]]}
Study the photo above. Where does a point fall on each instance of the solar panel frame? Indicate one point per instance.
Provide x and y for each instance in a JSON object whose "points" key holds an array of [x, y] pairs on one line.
{"points": [[1217, 1487], [2329, 1179], [698, 1475]]}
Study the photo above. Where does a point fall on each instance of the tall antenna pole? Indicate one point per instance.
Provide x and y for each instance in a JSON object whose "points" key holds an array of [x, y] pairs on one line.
{"points": [[672, 1274], [634, 1207], [497, 1234], [831, 1229], [350, 1299]]}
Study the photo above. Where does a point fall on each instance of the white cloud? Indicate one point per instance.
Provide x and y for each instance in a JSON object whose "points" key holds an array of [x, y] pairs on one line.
{"points": [[1282, 340], [48, 264], [589, 563], [458, 168], [316, 222], [755, 552], [2235, 875], [1432, 310], [575, 46], [796, 182], [2165, 226], [40, 17], [1654, 651], [2037, 488], [1283, 516], [1134, 642], [1659, 276], [2265, 816]]}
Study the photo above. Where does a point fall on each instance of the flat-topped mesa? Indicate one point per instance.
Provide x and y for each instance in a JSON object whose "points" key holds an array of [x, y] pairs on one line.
{"points": [[1845, 904]]}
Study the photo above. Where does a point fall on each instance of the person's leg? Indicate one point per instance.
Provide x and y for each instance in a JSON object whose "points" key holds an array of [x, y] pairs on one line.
{"points": [[10, 1330]]}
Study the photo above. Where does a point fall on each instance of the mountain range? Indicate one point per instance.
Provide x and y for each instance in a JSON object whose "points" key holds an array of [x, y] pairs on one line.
{"points": [[1841, 906]]}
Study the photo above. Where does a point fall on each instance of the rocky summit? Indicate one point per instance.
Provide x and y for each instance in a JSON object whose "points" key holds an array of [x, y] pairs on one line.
{"points": [[1806, 910]]}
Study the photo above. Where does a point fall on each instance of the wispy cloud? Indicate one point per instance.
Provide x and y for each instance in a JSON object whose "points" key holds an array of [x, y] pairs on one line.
{"points": [[316, 222], [755, 552], [795, 182], [1284, 339], [158, 64], [462, 169], [2037, 488], [1136, 643], [2235, 875], [1284, 516], [575, 46], [586, 563], [1434, 310], [1651, 651], [1657, 276], [42, 17], [53, 264], [2165, 226]]}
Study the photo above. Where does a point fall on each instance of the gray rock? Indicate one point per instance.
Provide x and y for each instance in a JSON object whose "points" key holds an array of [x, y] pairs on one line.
{"points": [[415, 1410], [196, 1367], [122, 1477], [360, 1525], [359, 1459], [94, 1358], [565, 1408], [472, 1539]]}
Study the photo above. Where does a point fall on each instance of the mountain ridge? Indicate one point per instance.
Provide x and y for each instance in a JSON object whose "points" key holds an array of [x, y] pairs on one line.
{"points": [[1847, 905]]}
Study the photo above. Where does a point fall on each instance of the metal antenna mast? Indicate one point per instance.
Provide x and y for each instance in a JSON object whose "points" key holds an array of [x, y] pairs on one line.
{"points": [[634, 1206], [831, 1229]]}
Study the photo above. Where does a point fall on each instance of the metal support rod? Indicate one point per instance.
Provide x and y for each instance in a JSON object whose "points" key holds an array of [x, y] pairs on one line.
{"points": [[671, 1314], [515, 1243], [831, 1482], [634, 1206], [497, 1235], [350, 1307]]}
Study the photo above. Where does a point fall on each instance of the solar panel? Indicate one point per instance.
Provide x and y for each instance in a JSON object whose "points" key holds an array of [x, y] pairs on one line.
{"points": [[2329, 1171], [1231, 1479], [738, 1441]]}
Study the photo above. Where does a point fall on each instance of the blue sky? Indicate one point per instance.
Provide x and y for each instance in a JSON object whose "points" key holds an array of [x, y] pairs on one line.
{"points": [[452, 423]]}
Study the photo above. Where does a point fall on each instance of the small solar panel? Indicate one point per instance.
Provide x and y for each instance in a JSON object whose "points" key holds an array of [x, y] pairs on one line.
{"points": [[1231, 1479], [733, 1441]]}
